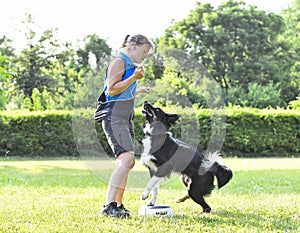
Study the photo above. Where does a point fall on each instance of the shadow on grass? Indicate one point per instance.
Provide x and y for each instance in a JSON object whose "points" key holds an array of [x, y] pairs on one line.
{"points": [[241, 220], [56, 175], [51, 176], [243, 182]]}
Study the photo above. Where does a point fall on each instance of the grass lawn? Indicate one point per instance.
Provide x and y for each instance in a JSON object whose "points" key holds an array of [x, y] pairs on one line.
{"points": [[68, 195]]}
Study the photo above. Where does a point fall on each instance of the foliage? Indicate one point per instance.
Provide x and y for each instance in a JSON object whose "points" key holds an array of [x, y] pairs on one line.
{"points": [[4, 75], [6, 72], [39, 133], [36, 133], [238, 44], [96, 46], [65, 196], [291, 38], [52, 69], [252, 55], [295, 104], [154, 68], [91, 87], [266, 132], [173, 89], [183, 82], [258, 96], [34, 59]]}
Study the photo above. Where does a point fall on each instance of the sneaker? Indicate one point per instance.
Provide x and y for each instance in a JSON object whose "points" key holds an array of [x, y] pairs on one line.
{"points": [[112, 210], [122, 208]]}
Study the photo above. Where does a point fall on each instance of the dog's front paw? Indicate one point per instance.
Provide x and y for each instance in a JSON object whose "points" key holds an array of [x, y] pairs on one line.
{"points": [[150, 203], [145, 194]]}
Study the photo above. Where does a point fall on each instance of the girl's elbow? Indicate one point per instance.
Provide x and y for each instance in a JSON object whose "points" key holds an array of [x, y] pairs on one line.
{"points": [[111, 92]]}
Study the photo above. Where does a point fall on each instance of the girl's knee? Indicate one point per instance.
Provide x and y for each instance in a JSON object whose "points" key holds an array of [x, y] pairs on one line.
{"points": [[130, 160], [127, 160]]}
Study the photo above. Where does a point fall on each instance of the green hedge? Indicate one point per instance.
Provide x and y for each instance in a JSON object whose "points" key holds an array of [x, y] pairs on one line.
{"points": [[263, 132], [240, 132], [36, 134]]}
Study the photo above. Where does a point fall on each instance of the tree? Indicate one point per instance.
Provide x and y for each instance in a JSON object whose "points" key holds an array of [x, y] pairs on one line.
{"points": [[291, 37], [53, 71], [92, 59], [236, 43], [6, 71], [33, 60], [4, 75], [93, 45]]}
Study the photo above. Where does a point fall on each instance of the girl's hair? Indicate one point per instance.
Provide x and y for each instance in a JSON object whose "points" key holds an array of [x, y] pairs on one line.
{"points": [[137, 39]]}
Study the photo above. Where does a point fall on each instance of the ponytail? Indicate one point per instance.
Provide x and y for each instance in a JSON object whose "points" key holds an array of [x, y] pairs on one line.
{"points": [[125, 42]]}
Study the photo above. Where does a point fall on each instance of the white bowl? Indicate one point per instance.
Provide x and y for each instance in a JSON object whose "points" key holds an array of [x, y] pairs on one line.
{"points": [[157, 210]]}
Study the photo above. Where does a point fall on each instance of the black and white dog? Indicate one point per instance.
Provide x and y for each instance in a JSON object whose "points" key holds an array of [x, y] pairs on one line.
{"points": [[164, 154]]}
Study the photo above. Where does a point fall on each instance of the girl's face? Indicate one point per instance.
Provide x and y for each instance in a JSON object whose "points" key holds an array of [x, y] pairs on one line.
{"points": [[140, 52]]}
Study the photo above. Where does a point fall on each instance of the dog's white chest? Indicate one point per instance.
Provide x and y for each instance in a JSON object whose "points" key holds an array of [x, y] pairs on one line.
{"points": [[146, 157], [147, 140], [147, 145]]}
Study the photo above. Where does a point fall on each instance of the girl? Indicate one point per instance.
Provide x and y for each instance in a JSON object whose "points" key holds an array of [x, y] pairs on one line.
{"points": [[117, 122]]}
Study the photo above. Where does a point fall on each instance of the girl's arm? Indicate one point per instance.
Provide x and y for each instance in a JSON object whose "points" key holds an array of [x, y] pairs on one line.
{"points": [[115, 72]]}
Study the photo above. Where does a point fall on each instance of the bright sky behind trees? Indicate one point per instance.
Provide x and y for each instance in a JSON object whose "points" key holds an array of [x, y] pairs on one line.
{"points": [[111, 20]]}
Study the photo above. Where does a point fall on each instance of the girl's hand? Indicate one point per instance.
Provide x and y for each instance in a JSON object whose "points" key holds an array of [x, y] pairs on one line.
{"points": [[138, 73], [143, 89]]}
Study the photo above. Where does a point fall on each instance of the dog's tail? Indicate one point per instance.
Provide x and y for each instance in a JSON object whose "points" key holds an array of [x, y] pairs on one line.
{"points": [[212, 163], [208, 162], [223, 174]]}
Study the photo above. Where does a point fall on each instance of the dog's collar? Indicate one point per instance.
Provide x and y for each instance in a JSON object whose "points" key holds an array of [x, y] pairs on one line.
{"points": [[158, 134], [148, 131]]}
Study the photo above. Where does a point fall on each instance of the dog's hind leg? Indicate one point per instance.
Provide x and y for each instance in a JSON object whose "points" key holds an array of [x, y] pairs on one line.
{"points": [[196, 197], [186, 180], [200, 187], [182, 199]]}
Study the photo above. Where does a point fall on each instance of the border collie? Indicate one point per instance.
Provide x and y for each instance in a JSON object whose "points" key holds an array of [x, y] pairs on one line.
{"points": [[163, 155]]}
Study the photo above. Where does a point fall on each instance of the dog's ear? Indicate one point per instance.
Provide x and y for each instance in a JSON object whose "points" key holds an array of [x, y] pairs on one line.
{"points": [[172, 118]]}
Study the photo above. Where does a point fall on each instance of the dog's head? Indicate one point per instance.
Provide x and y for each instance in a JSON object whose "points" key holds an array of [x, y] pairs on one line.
{"points": [[153, 114]]}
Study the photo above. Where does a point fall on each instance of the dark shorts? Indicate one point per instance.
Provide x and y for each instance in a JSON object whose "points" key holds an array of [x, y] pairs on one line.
{"points": [[119, 133]]}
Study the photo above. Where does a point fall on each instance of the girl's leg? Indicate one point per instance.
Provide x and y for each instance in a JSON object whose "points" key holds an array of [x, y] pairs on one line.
{"points": [[118, 179]]}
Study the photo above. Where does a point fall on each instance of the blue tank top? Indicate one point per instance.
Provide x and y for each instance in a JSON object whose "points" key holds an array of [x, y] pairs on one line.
{"points": [[129, 93]]}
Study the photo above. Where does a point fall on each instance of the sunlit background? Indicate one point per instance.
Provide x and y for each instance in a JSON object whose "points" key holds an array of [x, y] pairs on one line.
{"points": [[111, 20]]}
